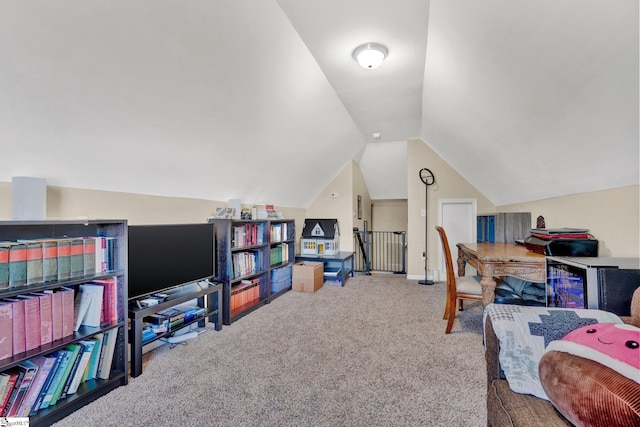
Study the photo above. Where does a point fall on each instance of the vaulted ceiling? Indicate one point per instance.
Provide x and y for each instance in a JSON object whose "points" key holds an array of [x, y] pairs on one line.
{"points": [[261, 100]]}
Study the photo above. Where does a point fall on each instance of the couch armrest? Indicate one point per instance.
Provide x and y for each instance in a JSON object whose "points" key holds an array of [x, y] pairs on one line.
{"points": [[634, 319], [492, 352]]}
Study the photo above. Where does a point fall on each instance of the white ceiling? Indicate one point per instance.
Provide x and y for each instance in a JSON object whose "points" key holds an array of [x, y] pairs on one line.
{"points": [[204, 98]]}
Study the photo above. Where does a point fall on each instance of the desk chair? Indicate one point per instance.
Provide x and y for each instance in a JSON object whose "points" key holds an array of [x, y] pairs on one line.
{"points": [[458, 288]]}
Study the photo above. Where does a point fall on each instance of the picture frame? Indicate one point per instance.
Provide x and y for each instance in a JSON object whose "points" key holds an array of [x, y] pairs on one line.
{"points": [[359, 206]]}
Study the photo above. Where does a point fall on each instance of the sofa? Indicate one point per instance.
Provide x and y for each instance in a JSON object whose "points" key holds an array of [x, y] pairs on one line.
{"points": [[508, 408]]}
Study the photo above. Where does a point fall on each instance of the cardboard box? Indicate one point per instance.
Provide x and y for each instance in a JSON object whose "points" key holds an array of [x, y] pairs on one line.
{"points": [[307, 276]]}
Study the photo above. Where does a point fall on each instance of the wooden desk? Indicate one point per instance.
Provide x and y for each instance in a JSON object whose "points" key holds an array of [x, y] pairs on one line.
{"points": [[500, 259]]}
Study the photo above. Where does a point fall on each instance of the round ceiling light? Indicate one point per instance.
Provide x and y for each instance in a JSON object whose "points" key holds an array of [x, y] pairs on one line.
{"points": [[370, 55]]}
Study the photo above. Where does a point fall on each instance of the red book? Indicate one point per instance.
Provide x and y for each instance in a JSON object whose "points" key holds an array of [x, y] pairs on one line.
{"points": [[19, 337], [56, 314], [31, 320], [110, 303], [46, 317], [6, 330], [68, 311], [14, 376]]}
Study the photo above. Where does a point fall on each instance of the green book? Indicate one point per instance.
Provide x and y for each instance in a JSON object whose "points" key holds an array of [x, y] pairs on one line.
{"points": [[75, 350]]}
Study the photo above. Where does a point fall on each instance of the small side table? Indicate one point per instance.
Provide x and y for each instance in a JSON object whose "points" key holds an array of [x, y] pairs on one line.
{"points": [[339, 265]]}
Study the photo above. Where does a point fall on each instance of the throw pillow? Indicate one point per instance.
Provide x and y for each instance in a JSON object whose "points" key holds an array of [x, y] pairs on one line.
{"points": [[592, 375]]}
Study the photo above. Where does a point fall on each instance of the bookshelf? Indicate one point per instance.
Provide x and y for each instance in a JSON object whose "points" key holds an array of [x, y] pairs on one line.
{"points": [[212, 292], [503, 227], [112, 324], [248, 254]]}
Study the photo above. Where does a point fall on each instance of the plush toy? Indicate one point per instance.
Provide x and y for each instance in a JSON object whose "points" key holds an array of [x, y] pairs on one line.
{"points": [[592, 375]]}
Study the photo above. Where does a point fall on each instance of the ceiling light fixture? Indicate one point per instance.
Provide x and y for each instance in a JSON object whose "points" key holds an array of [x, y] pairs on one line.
{"points": [[370, 55]]}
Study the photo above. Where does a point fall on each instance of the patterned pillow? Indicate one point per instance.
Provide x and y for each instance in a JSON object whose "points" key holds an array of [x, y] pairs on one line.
{"points": [[524, 333]]}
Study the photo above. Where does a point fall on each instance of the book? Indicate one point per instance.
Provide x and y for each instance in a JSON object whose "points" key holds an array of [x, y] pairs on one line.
{"points": [[63, 359], [46, 317], [34, 261], [17, 264], [4, 265], [56, 313], [4, 381], [6, 329], [101, 244], [92, 368], [81, 306], [64, 258], [109, 349], [94, 314], [18, 325], [32, 328], [89, 255], [57, 358], [44, 363], [77, 257], [75, 352], [110, 301], [5, 378], [15, 377], [79, 374], [49, 260], [68, 310], [29, 372]]}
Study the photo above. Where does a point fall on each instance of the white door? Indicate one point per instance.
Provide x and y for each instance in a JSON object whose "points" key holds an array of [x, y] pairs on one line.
{"points": [[458, 217]]}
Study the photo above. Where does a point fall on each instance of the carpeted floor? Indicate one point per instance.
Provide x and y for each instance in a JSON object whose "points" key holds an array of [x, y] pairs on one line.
{"points": [[373, 353]]}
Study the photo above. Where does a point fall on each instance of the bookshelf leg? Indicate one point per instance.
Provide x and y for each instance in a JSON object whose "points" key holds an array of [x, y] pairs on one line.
{"points": [[136, 347]]}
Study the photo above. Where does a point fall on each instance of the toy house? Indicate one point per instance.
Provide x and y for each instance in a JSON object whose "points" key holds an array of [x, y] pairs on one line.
{"points": [[320, 237]]}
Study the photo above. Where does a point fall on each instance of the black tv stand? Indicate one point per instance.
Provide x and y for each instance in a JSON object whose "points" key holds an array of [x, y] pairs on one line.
{"points": [[201, 290]]}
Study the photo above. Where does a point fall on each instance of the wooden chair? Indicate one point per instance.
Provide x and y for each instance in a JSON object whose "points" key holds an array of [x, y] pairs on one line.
{"points": [[458, 288]]}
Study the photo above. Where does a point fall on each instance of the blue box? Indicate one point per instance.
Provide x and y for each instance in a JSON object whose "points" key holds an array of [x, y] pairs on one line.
{"points": [[280, 285], [281, 273]]}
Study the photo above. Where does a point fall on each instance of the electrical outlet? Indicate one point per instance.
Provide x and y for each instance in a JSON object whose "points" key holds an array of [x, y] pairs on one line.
{"points": [[423, 212], [423, 256]]}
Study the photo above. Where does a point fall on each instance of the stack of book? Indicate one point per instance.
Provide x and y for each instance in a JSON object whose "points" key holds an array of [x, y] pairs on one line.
{"points": [[247, 292], [30, 261], [37, 383]]}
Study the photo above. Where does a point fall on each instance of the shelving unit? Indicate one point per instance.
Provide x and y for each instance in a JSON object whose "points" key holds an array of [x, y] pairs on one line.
{"points": [[201, 290], [337, 268], [243, 253], [92, 389]]}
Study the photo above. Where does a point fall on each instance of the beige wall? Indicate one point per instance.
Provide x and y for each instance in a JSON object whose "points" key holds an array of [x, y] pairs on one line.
{"points": [[612, 216], [449, 185], [69, 203], [347, 185], [389, 215]]}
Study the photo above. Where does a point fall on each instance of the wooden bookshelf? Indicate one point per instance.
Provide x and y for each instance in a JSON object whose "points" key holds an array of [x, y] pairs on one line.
{"points": [[249, 250], [91, 389]]}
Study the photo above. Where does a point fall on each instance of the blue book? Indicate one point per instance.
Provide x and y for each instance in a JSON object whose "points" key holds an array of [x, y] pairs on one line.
{"points": [[92, 369], [64, 356]]}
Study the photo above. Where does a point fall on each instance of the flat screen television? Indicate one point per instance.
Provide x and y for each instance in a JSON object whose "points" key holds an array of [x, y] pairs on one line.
{"points": [[168, 255]]}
